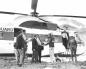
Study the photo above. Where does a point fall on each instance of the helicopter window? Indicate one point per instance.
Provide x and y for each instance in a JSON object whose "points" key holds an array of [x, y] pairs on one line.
{"points": [[34, 24], [1, 35], [38, 25], [6, 35]]}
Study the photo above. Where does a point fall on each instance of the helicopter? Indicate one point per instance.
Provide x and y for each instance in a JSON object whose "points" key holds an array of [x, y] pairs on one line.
{"points": [[34, 24]]}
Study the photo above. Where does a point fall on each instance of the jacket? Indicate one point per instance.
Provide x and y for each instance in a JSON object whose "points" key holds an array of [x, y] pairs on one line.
{"points": [[34, 44], [20, 42], [51, 43]]}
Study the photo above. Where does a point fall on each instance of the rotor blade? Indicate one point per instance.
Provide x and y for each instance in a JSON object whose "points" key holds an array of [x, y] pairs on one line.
{"points": [[34, 5], [62, 16], [12, 13], [42, 19]]}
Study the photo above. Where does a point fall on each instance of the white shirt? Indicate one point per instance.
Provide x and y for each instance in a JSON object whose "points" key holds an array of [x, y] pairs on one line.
{"points": [[14, 39], [24, 37], [64, 35], [38, 40]]}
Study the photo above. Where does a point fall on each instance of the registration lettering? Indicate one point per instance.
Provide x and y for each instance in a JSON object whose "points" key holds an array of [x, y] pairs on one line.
{"points": [[6, 29]]}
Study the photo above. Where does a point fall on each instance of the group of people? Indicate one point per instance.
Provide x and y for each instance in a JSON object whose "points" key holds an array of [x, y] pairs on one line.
{"points": [[20, 45], [70, 43], [38, 46]]}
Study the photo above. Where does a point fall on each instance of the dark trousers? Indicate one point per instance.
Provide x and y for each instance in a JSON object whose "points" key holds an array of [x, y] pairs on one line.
{"points": [[39, 55], [35, 56]]}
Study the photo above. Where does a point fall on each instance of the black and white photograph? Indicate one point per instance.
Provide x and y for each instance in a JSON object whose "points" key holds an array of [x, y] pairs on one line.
{"points": [[42, 34]]}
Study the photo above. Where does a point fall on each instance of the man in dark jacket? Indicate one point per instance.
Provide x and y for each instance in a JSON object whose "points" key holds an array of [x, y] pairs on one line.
{"points": [[40, 48], [73, 47], [20, 48], [34, 49]]}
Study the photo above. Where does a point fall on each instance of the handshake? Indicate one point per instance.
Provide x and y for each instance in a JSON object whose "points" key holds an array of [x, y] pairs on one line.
{"points": [[44, 43]]}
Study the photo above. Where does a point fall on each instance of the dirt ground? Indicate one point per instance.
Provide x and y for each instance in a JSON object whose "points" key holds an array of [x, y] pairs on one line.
{"points": [[10, 63]]}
